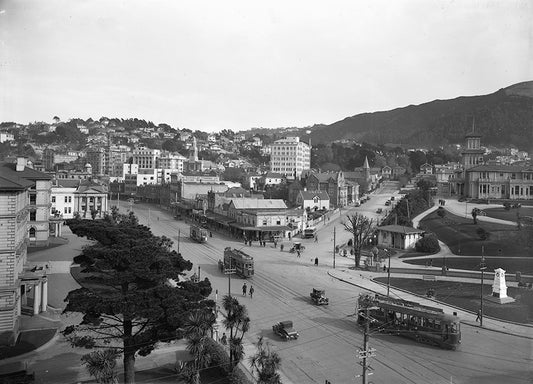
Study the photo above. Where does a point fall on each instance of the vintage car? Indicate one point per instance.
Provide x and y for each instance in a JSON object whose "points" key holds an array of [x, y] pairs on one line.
{"points": [[285, 330], [318, 296]]}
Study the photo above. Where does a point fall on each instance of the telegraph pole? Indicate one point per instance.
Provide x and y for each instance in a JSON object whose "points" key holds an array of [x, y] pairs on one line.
{"points": [[179, 241], [482, 267], [365, 353], [229, 271], [334, 245]]}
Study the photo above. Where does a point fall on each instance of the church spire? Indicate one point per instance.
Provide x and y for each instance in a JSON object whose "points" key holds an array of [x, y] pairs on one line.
{"points": [[365, 164]]}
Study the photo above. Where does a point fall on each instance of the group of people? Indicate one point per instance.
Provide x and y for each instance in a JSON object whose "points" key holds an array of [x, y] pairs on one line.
{"points": [[250, 291]]}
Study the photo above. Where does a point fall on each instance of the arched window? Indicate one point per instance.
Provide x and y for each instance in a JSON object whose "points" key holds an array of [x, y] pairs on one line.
{"points": [[32, 233]]}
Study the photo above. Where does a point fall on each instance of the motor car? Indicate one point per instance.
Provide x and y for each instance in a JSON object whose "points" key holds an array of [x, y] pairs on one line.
{"points": [[387, 203], [392, 198], [379, 210], [318, 296], [285, 330]]}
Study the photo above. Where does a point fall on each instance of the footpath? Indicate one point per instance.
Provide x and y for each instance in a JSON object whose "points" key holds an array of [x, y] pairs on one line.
{"points": [[400, 269]]}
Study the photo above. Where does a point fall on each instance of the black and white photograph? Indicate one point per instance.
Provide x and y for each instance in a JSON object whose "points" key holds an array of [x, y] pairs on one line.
{"points": [[266, 192]]}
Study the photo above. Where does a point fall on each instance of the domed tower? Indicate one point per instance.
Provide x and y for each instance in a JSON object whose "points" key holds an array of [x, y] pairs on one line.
{"points": [[88, 168]]}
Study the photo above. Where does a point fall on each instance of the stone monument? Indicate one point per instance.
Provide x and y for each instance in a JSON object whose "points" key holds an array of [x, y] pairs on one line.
{"points": [[499, 288]]}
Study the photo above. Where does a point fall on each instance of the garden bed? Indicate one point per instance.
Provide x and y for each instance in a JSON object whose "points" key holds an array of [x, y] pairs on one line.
{"points": [[467, 296]]}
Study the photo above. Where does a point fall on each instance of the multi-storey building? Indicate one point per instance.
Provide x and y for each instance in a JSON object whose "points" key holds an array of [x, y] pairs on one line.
{"points": [[97, 157], [171, 161], [331, 182], [24, 210], [290, 157], [146, 158]]}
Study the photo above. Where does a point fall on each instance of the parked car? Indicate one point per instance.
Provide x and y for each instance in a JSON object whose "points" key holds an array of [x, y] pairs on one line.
{"points": [[379, 210], [387, 203], [392, 198], [285, 330]]}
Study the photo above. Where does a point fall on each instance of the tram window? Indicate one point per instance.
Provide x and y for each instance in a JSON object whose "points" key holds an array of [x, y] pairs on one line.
{"points": [[454, 328]]}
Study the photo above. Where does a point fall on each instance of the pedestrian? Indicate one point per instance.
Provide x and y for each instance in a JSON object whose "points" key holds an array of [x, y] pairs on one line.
{"points": [[281, 247], [251, 291], [276, 244], [316, 238], [298, 253], [244, 287], [316, 261], [210, 234], [478, 318], [224, 339]]}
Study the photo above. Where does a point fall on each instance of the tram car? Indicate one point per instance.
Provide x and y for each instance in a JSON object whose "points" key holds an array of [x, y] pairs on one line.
{"points": [[198, 234], [406, 318], [242, 263]]}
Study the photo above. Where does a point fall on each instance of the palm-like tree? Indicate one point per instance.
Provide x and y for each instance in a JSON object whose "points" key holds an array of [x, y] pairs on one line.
{"points": [[196, 329], [236, 321], [101, 365], [266, 363]]}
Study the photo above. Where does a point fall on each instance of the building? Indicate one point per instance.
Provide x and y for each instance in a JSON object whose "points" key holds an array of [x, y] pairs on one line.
{"points": [[313, 200], [24, 210], [290, 157], [146, 158], [397, 236], [98, 160], [331, 182]]}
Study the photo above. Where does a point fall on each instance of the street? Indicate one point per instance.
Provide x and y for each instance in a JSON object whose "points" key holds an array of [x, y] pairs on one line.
{"points": [[329, 337]]}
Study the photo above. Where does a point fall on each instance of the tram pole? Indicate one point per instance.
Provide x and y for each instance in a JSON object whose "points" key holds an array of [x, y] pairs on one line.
{"points": [[388, 275], [334, 245], [482, 267], [365, 345]]}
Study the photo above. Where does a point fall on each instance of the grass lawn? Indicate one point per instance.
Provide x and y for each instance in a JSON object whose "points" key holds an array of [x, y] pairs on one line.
{"points": [[461, 236], [511, 266], [467, 296], [510, 215]]}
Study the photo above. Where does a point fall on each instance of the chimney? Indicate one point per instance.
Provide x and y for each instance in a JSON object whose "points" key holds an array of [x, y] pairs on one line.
{"points": [[21, 164]]}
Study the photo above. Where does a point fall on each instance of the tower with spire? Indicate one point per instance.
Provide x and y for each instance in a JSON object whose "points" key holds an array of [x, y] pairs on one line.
{"points": [[366, 170], [193, 157]]}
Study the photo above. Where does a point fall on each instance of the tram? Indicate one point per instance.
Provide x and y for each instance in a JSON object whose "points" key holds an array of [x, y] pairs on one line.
{"points": [[409, 319], [242, 263]]}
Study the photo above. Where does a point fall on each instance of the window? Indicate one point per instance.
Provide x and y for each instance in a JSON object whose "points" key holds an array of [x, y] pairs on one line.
{"points": [[33, 215], [53, 199], [66, 199], [278, 222]]}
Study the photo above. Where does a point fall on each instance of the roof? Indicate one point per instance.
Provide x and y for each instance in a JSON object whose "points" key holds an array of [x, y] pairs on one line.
{"points": [[7, 184], [324, 177], [274, 175], [27, 173], [67, 183], [501, 168], [258, 204], [399, 229], [307, 195]]}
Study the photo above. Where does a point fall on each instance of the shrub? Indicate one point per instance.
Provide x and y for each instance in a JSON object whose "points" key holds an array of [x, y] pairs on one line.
{"points": [[428, 244], [237, 376], [441, 212], [219, 356], [507, 206], [482, 233]]}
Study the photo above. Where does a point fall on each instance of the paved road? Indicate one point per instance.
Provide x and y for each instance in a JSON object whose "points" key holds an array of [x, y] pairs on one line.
{"points": [[329, 337]]}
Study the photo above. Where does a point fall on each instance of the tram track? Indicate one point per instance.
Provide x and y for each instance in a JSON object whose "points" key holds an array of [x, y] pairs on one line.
{"points": [[412, 367]]}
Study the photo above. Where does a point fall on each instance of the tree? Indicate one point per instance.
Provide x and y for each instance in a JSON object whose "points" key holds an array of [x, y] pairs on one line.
{"points": [[441, 212], [475, 213], [101, 365], [362, 228], [236, 321], [126, 299], [196, 328], [428, 244], [266, 363]]}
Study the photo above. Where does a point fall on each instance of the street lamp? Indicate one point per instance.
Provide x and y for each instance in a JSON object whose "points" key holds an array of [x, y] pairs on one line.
{"points": [[388, 274], [482, 267]]}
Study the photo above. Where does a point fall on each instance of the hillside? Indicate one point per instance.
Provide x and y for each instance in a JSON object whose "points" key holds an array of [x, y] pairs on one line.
{"points": [[502, 118]]}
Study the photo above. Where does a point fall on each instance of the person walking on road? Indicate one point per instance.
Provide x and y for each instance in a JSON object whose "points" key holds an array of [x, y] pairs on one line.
{"points": [[244, 287], [316, 238], [281, 247], [478, 318], [251, 291], [316, 261]]}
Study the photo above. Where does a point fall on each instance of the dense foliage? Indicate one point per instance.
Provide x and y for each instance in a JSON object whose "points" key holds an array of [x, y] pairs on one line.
{"points": [[127, 299], [428, 244]]}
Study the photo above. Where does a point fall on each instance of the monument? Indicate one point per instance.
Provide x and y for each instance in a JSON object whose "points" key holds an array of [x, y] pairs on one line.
{"points": [[499, 288]]}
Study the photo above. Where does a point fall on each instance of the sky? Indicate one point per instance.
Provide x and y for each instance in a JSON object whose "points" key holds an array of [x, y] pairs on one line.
{"points": [[239, 64]]}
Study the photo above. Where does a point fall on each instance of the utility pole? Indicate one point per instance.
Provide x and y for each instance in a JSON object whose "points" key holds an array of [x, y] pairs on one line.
{"points": [[388, 274], [179, 241], [482, 267], [365, 353], [334, 246], [229, 271]]}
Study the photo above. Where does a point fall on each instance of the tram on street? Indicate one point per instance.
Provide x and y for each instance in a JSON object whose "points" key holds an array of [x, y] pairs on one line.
{"points": [[242, 263], [409, 319]]}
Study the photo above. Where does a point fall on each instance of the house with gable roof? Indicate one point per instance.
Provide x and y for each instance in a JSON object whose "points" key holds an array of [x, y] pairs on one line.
{"points": [[331, 182], [313, 200], [398, 236]]}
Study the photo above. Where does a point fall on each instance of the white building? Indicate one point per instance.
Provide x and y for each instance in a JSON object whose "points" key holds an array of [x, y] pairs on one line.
{"points": [[146, 158], [171, 162], [290, 156]]}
